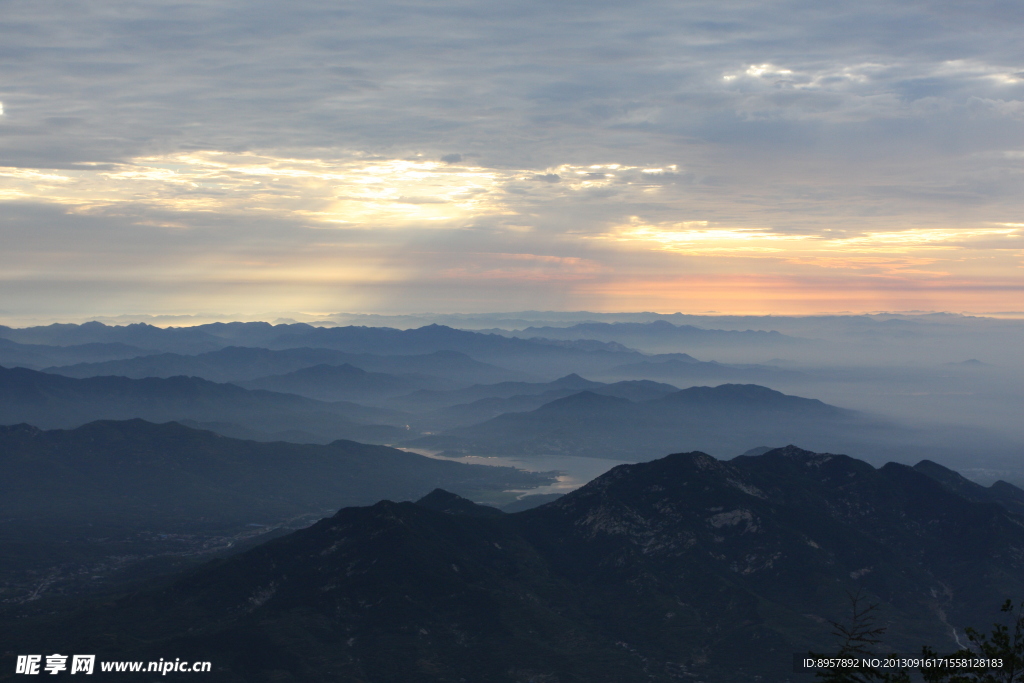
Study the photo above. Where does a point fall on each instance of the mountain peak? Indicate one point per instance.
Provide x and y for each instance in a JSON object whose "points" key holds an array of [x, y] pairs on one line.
{"points": [[574, 381], [749, 397], [586, 399], [453, 504]]}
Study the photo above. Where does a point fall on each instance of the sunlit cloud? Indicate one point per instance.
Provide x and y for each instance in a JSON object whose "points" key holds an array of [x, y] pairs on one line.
{"points": [[358, 190], [697, 238], [906, 252], [355, 190]]}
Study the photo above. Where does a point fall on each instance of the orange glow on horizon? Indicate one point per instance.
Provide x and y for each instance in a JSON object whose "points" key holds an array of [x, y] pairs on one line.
{"points": [[785, 295]]}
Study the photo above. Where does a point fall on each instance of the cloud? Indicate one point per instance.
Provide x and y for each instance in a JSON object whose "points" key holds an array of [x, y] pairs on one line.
{"points": [[226, 142]]}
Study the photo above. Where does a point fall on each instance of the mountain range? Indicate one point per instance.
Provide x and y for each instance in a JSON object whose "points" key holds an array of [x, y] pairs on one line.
{"points": [[682, 568], [111, 488], [241, 363], [54, 401], [249, 351], [38, 356], [661, 335], [724, 420], [513, 397], [683, 368], [537, 357]]}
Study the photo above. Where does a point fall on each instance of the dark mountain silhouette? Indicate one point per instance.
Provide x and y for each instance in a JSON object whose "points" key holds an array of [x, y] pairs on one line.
{"points": [[54, 401], [363, 433], [1000, 493], [724, 420], [683, 568], [134, 472], [530, 501], [238, 363], [123, 488], [452, 504]]}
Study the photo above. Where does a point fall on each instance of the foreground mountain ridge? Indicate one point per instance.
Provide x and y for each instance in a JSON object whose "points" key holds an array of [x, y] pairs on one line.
{"points": [[682, 568]]}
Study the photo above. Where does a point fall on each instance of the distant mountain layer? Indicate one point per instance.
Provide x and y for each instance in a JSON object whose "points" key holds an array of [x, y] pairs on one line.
{"points": [[54, 401], [175, 339], [239, 364], [661, 334], [684, 568], [378, 340], [691, 370], [724, 420], [511, 397], [38, 356], [538, 358], [342, 382], [434, 399], [589, 348]]}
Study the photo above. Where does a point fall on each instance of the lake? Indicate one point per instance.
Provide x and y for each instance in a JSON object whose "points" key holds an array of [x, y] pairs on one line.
{"points": [[573, 471]]}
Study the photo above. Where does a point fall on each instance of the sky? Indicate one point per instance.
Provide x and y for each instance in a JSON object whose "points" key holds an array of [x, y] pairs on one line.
{"points": [[731, 156]]}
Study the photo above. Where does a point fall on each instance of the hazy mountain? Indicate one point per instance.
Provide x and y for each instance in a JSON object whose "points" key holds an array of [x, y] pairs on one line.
{"points": [[343, 382], [363, 433], [38, 356], [238, 363], [54, 401], [684, 568], [230, 364], [661, 335], [723, 420], [487, 408], [691, 370], [587, 348], [636, 389], [134, 488], [174, 339], [428, 399], [536, 357]]}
